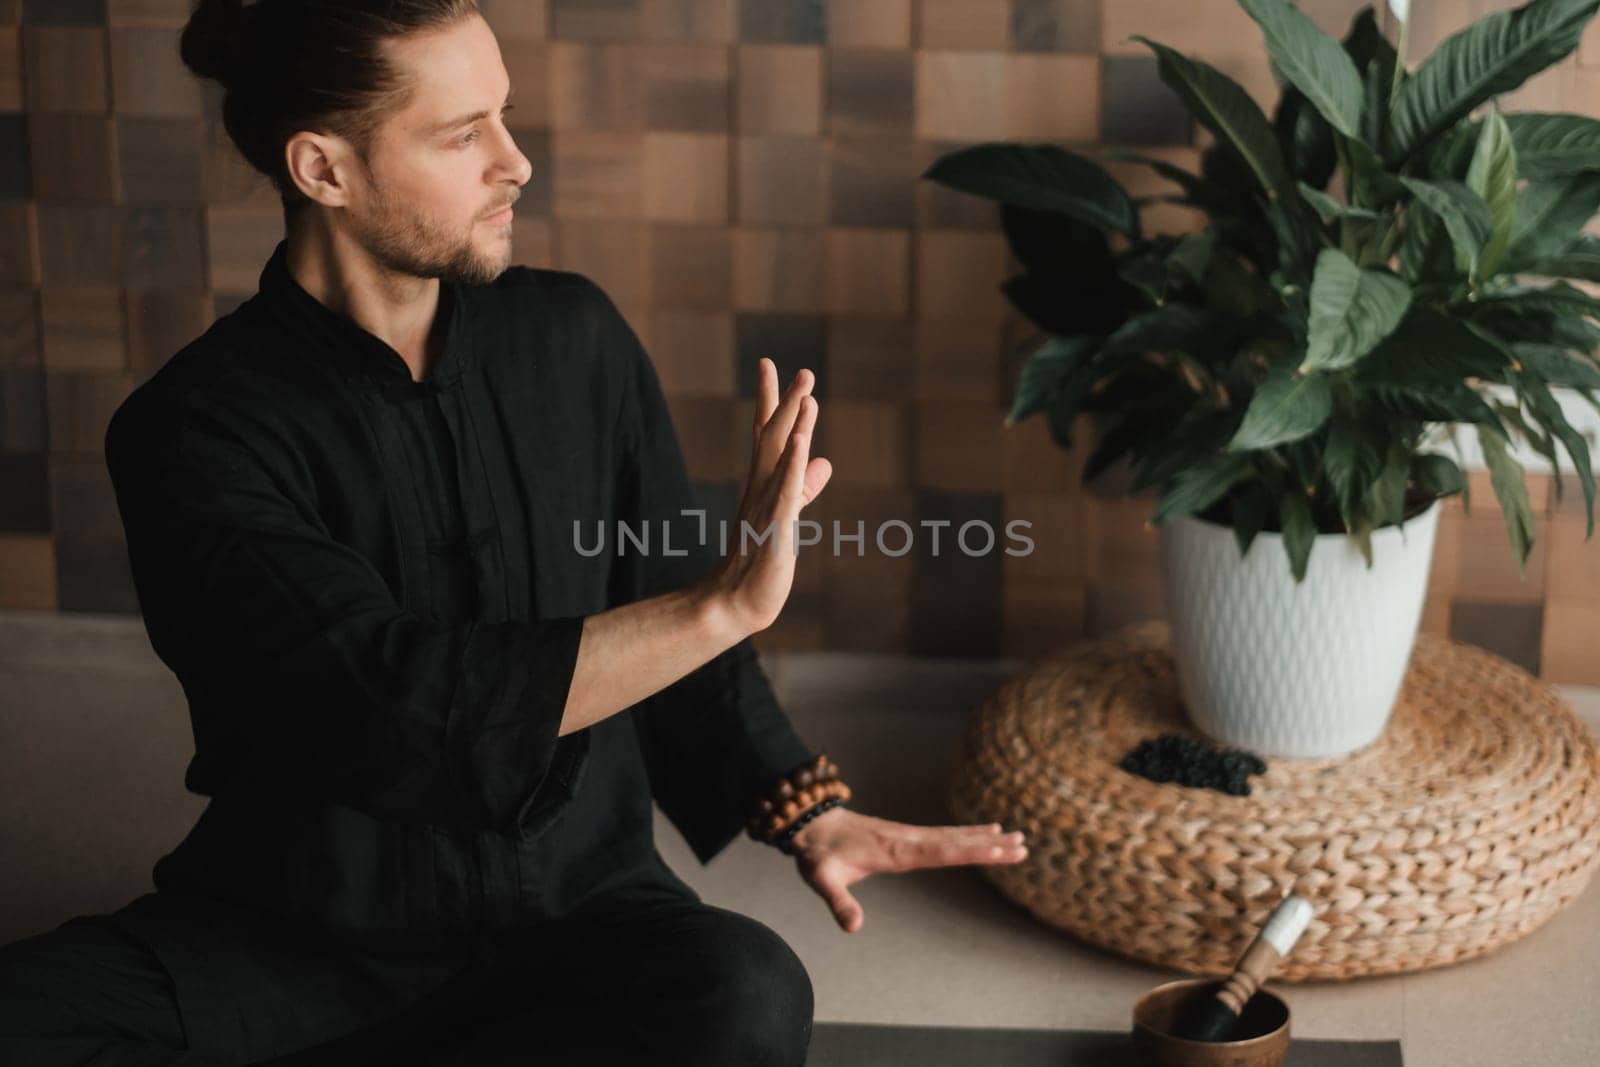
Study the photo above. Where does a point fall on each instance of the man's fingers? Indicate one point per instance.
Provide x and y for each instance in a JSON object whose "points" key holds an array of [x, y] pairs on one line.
{"points": [[846, 909], [766, 395], [957, 846], [798, 454], [774, 436]]}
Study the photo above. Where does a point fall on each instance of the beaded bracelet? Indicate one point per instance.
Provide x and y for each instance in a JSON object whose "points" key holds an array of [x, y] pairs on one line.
{"points": [[785, 839], [796, 798]]}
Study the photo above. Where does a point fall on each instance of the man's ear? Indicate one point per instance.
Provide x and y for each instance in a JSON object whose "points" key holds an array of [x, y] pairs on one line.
{"points": [[320, 166]]}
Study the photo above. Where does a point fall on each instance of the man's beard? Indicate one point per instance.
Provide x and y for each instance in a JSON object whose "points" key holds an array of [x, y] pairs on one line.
{"points": [[405, 241]]}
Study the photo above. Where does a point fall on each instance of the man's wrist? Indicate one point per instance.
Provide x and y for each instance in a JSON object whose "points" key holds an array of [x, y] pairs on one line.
{"points": [[715, 618], [802, 837]]}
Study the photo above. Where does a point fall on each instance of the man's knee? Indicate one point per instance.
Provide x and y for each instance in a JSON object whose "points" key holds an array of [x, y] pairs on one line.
{"points": [[763, 998]]}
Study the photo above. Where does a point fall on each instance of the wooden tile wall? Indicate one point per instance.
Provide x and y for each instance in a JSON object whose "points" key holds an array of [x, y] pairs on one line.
{"points": [[742, 177]]}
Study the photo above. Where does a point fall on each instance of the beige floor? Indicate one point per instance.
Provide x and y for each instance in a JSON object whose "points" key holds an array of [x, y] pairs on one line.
{"points": [[90, 704]]}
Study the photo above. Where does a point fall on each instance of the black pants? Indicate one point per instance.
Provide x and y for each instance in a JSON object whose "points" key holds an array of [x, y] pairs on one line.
{"points": [[660, 979]]}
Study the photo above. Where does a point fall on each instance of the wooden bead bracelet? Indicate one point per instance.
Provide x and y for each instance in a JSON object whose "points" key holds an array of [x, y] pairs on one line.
{"points": [[797, 798]]}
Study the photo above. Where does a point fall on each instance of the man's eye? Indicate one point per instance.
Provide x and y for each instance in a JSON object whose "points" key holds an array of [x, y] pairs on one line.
{"points": [[469, 138]]}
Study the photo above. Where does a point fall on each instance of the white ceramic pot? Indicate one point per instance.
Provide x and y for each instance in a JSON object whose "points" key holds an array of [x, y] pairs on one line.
{"points": [[1308, 669]]}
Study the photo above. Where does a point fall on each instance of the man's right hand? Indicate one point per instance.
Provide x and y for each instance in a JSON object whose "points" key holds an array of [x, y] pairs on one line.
{"points": [[753, 580]]}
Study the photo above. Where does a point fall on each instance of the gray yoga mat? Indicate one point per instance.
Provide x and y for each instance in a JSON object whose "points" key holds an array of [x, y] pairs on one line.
{"points": [[871, 1045]]}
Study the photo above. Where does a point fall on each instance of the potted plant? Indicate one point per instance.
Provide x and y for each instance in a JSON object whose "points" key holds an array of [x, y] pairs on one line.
{"points": [[1373, 255]]}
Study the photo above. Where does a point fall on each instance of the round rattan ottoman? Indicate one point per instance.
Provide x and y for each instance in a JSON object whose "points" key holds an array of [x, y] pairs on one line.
{"points": [[1472, 820]]}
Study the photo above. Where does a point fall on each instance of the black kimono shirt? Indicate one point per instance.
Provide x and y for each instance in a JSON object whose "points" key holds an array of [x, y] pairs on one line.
{"points": [[371, 591]]}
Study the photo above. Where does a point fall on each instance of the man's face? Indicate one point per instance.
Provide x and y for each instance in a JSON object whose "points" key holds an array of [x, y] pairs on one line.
{"points": [[442, 166]]}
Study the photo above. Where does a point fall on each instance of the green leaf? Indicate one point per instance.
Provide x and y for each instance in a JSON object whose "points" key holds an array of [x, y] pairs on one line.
{"points": [[1493, 176], [1222, 106], [1193, 255], [1375, 59], [1555, 144], [1250, 507], [1547, 409], [1304, 138], [1045, 373], [1558, 299], [1464, 214], [1286, 407], [1299, 528], [1581, 260], [1386, 494], [1492, 56], [1351, 310], [1437, 475], [1312, 61], [1550, 216], [1505, 474], [1043, 177], [1329, 208], [1557, 366], [1200, 484]]}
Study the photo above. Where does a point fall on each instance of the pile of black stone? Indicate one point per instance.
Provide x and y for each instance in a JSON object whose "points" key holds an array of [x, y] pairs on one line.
{"points": [[1190, 761]]}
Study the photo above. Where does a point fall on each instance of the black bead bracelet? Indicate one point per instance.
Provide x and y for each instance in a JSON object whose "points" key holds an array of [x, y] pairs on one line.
{"points": [[782, 841]]}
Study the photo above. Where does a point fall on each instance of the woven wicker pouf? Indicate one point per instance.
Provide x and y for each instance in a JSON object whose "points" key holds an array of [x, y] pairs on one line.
{"points": [[1472, 820]]}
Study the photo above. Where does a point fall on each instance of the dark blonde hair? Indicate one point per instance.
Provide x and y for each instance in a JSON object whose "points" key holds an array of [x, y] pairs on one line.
{"points": [[292, 65]]}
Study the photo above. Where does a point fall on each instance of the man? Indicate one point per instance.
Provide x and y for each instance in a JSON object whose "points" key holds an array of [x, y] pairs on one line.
{"points": [[430, 727]]}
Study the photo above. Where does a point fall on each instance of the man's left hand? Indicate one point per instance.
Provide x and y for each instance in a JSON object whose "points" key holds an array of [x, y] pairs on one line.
{"points": [[841, 847]]}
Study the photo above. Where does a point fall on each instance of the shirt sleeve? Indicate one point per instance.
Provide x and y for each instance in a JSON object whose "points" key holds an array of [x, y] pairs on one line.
{"points": [[300, 647], [717, 738]]}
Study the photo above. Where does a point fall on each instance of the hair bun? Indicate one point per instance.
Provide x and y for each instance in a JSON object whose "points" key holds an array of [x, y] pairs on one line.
{"points": [[208, 44]]}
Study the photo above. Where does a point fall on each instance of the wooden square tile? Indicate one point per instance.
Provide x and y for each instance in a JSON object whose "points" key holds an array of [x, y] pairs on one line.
{"points": [[1055, 26], [160, 322], [83, 327], [958, 445], [964, 25], [1036, 464], [64, 12], [1125, 545], [693, 351], [790, 340], [20, 335], [692, 266], [687, 87], [534, 240], [867, 271], [240, 240], [595, 20], [959, 358], [517, 20], [686, 177], [80, 408], [1511, 631], [595, 87], [92, 574], [25, 504], [779, 89], [80, 242], [16, 181], [1043, 617], [146, 80], [19, 242], [961, 96], [615, 254], [1114, 605], [782, 180], [161, 160], [786, 22], [1487, 569], [73, 157], [1566, 641], [1052, 97], [960, 272], [868, 441], [1141, 181], [778, 269], [598, 174], [1204, 30], [873, 182], [27, 572], [163, 245], [869, 23], [11, 94], [534, 144], [166, 13], [66, 69], [528, 66], [956, 597], [1137, 108], [870, 356], [1049, 534], [869, 613], [863, 539], [24, 427], [1573, 566], [704, 425], [226, 176], [869, 92], [710, 21]]}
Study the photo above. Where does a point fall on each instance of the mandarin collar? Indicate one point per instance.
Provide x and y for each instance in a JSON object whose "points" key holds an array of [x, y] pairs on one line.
{"points": [[360, 354]]}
